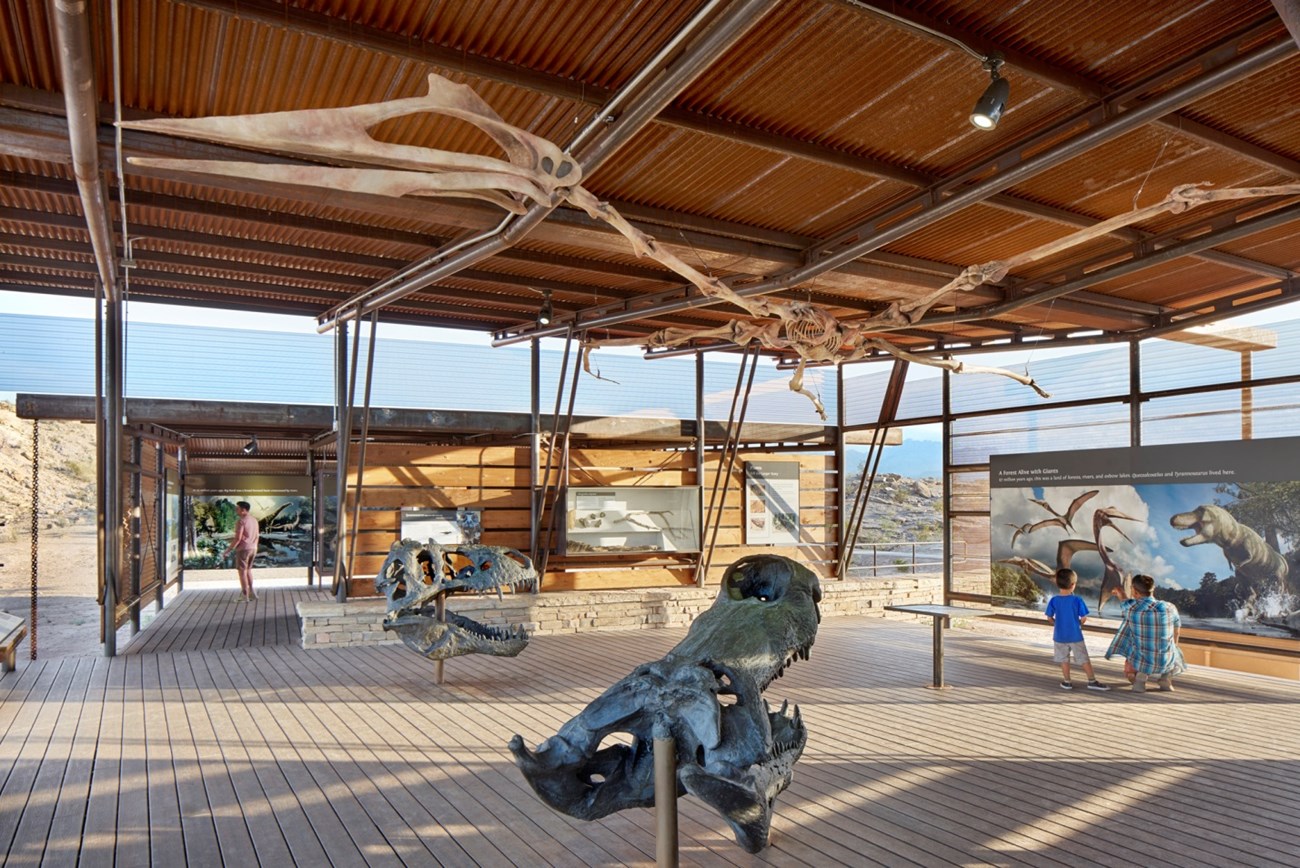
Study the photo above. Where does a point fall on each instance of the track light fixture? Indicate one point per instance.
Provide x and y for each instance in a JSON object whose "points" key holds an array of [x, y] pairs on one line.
{"points": [[988, 110], [251, 447], [547, 311]]}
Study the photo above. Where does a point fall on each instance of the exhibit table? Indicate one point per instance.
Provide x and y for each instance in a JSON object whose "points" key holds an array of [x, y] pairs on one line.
{"points": [[940, 616]]}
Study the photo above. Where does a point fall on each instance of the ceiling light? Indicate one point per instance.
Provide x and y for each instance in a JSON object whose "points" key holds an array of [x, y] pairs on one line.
{"points": [[547, 311], [990, 106], [250, 448]]}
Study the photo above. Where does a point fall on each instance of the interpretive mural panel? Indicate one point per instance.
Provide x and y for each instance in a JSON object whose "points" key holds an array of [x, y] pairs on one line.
{"points": [[172, 524], [1217, 526], [772, 503], [282, 506]]}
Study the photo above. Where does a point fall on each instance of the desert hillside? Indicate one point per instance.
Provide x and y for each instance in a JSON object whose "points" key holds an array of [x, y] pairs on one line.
{"points": [[67, 472]]}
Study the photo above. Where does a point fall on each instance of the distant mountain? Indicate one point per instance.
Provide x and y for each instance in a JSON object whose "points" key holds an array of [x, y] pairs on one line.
{"points": [[917, 459]]}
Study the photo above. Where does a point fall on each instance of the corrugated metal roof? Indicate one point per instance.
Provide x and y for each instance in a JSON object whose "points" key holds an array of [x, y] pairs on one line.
{"points": [[821, 118]]}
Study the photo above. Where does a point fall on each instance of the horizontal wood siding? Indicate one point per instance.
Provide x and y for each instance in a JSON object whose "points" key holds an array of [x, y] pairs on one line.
{"points": [[496, 480]]}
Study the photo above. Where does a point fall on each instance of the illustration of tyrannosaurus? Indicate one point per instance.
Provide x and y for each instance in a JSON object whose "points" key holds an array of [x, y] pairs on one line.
{"points": [[1246, 551]]}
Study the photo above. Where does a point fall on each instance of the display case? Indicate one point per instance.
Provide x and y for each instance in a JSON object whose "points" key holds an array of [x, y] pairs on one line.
{"points": [[446, 527], [623, 520]]}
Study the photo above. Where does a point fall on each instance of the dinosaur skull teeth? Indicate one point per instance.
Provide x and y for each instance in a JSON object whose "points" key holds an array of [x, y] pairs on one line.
{"points": [[416, 576], [735, 754]]}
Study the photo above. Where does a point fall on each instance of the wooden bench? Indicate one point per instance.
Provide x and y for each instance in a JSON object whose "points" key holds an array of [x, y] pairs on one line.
{"points": [[12, 631]]}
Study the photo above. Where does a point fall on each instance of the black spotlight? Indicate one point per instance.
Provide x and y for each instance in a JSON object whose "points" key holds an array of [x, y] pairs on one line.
{"points": [[250, 448], [988, 110], [547, 311]]}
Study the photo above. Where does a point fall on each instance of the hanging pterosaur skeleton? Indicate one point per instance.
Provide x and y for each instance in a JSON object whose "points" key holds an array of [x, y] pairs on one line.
{"points": [[537, 171]]}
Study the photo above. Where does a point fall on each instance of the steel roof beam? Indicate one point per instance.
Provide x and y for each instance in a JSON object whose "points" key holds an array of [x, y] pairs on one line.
{"points": [[371, 39], [1046, 150], [1137, 258], [648, 92], [1063, 79]]}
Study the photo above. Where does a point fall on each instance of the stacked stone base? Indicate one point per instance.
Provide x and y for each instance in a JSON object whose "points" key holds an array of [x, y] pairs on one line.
{"points": [[331, 625]]}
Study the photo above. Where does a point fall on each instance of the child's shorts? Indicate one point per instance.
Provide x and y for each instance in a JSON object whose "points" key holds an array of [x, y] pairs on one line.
{"points": [[1063, 651]]}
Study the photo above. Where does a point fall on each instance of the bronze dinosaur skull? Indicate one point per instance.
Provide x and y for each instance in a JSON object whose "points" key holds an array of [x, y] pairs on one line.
{"points": [[734, 753], [416, 574]]}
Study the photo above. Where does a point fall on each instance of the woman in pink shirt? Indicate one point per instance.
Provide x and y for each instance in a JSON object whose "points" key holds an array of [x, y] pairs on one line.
{"points": [[244, 547]]}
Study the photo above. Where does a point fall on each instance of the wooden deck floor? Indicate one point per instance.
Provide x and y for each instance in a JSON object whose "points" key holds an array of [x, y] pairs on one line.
{"points": [[216, 740]]}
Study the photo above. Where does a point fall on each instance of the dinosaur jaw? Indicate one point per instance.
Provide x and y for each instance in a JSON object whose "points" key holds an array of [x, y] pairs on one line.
{"points": [[732, 751], [423, 633], [1188, 521]]}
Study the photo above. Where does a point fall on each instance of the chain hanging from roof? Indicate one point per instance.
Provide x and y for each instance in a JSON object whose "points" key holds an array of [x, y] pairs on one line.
{"points": [[537, 170]]}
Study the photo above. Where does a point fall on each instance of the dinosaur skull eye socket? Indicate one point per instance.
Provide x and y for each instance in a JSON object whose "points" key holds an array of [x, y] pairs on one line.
{"points": [[754, 579]]}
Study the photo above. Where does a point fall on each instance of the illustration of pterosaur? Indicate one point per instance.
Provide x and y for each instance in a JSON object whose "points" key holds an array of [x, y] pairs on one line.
{"points": [[1112, 577], [1030, 527], [1066, 549], [1104, 518], [1067, 517], [1030, 566]]}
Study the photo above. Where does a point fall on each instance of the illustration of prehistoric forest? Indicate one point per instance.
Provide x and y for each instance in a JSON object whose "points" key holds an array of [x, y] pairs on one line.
{"points": [[1225, 554], [285, 524]]}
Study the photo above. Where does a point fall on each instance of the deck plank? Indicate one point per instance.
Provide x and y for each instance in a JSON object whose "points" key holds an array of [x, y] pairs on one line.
{"points": [[214, 738], [272, 727], [233, 836], [63, 843], [33, 831], [99, 835], [30, 789]]}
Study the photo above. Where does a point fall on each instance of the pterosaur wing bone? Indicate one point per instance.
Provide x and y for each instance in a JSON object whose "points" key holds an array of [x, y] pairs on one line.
{"points": [[343, 134], [1047, 522], [1078, 502], [1066, 549]]}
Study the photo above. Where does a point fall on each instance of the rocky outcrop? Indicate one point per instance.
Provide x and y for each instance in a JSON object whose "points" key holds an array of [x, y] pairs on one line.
{"points": [[67, 472]]}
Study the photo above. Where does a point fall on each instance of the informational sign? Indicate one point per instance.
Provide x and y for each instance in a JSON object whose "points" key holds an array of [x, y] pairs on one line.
{"points": [[172, 523], [772, 503], [442, 526], [282, 506], [1215, 524]]}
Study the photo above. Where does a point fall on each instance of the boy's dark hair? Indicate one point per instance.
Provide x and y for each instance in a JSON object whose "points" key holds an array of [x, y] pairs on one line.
{"points": [[1066, 578], [1145, 584], [243, 504]]}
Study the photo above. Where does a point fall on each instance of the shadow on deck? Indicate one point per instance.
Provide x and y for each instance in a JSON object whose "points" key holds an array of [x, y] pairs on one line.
{"points": [[216, 739]]}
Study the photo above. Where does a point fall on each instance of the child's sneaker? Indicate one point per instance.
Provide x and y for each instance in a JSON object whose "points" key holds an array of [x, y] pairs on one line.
{"points": [[1065, 685], [1166, 684], [1097, 685]]}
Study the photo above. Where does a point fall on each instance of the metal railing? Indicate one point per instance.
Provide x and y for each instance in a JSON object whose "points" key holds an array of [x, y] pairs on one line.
{"points": [[899, 557]]}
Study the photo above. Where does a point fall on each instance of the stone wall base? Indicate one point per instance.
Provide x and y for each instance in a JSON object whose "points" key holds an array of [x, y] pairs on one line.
{"points": [[330, 625]]}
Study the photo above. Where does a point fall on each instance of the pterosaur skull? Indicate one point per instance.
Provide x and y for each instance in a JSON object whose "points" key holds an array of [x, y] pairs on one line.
{"points": [[733, 751], [416, 574]]}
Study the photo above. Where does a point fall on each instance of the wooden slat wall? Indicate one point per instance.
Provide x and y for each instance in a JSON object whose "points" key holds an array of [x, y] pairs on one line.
{"points": [[496, 480], [818, 514], [152, 557]]}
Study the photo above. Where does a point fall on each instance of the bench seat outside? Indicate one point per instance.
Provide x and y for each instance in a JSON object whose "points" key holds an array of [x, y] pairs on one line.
{"points": [[12, 631]]}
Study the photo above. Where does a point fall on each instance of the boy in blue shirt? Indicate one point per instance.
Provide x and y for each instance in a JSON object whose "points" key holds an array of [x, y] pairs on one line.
{"points": [[1067, 614]]}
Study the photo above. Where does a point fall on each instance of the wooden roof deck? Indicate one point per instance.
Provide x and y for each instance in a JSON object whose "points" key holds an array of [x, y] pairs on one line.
{"points": [[216, 739]]}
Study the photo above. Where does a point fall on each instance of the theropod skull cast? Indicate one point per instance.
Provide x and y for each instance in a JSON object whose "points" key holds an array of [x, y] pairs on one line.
{"points": [[735, 754], [415, 575]]}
